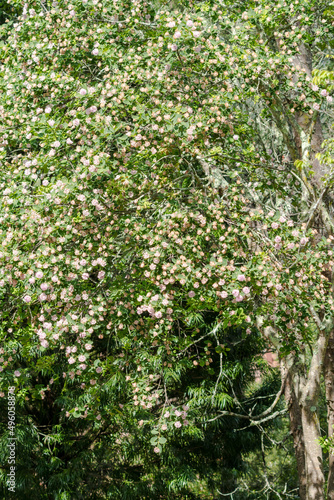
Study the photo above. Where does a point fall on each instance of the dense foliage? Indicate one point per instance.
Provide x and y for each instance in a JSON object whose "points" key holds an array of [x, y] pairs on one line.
{"points": [[154, 221]]}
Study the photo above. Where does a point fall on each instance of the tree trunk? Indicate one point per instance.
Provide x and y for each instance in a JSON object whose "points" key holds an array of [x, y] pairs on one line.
{"points": [[315, 479], [302, 393], [313, 452], [305, 429], [329, 384], [292, 396]]}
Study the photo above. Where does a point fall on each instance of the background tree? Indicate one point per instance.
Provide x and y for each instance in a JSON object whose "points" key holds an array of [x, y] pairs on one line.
{"points": [[148, 213]]}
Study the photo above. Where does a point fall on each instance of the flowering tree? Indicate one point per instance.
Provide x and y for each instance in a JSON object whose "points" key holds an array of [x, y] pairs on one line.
{"points": [[160, 187]]}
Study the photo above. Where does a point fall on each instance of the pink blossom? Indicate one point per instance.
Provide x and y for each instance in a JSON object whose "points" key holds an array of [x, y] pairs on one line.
{"points": [[17, 373], [275, 225], [48, 109], [39, 274], [178, 424], [246, 290], [76, 122], [196, 34], [156, 449], [101, 262], [44, 286], [241, 277], [82, 92], [92, 382], [191, 294], [101, 275], [223, 294], [174, 47], [190, 24], [71, 360], [95, 52], [88, 347], [177, 34], [27, 299], [235, 293]]}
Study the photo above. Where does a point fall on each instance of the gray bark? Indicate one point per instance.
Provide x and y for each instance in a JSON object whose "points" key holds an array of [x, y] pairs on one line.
{"points": [[310, 421], [329, 384], [302, 393], [294, 381], [315, 480]]}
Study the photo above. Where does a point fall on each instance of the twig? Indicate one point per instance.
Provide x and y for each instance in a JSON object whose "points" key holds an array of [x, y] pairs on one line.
{"points": [[229, 494]]}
